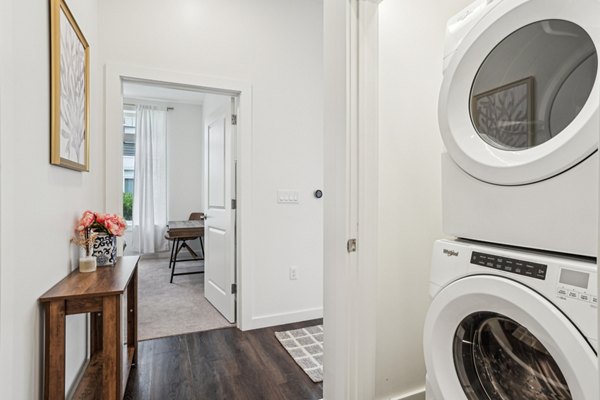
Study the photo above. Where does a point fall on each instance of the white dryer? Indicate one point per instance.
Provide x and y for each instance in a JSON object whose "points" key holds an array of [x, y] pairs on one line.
{"points": [[506, 324], [518, 114]]}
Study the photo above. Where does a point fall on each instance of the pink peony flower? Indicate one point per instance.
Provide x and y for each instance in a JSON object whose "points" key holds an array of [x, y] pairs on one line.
{"points": [[101, 217], [87, 219], [112, 224]]}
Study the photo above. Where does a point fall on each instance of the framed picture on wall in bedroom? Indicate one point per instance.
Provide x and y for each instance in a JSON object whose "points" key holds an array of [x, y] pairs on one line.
{"points": [[70, 83], [504, 115]]}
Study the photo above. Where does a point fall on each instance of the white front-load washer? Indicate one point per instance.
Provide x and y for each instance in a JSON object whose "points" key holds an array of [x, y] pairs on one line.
{"points": [[518, 114], [506, 324]]}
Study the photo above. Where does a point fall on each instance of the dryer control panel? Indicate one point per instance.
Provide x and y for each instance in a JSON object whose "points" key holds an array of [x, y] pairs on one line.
{"points": [[513, 265]]}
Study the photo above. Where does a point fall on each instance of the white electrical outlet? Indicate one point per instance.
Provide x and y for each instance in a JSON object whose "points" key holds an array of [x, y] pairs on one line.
{"points": [[287, 197], [293, 273]]}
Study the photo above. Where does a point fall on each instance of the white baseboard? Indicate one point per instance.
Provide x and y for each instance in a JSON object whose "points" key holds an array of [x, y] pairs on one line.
{"points": [[418, 394], [264, 321]]}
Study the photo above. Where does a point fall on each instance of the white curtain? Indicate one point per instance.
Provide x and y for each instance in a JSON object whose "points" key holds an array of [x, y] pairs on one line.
{"points": [[150, 184]]}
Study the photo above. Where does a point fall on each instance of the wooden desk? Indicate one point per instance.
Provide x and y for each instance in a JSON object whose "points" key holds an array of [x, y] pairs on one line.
{"points": [[179, 232], [104, 293], [181, 229]]}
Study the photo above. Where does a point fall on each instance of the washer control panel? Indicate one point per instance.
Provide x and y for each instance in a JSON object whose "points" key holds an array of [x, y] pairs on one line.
{"points": [[512, 265], [574, 285]]}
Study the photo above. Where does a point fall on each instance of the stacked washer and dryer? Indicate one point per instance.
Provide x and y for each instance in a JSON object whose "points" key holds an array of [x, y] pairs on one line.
{"points": [[515, 296]]}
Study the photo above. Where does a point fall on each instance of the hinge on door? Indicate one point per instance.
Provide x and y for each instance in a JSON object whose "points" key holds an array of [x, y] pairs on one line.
{"points": [[233, 288], [233, 119], [351, 245], [233, 204]]}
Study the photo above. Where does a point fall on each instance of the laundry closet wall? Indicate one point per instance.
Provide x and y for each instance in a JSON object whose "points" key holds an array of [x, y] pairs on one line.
{"points": [[411, 49], [276, 46]]}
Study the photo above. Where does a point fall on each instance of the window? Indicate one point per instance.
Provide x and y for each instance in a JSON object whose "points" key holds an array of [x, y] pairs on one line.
{"points": [[129, 117]]}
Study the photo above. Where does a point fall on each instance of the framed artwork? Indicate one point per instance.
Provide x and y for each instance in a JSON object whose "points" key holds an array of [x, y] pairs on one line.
{"points": [[505, 114], [70, 83]]}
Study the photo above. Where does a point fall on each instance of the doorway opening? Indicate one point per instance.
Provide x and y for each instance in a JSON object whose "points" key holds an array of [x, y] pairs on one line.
{"points": [[179, 167], [267, 301]]}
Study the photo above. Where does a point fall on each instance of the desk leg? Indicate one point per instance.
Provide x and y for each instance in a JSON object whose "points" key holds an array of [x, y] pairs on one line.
{"points": [[54, 380], [111, 338]]}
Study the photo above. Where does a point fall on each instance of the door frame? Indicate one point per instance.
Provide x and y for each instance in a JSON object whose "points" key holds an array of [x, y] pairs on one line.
{"points": [[351, 197], [115, 74]]}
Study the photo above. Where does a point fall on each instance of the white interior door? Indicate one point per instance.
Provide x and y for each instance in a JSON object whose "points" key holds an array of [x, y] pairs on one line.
{"points": [[219, 232]]}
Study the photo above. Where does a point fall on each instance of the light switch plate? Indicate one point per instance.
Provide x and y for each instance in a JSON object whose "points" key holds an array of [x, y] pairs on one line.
{"points": [[287, 197]]}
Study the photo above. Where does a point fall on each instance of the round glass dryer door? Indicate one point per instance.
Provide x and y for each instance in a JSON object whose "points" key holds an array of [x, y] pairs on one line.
{"points": [[520, 94], [533, 84], [498, 359]]}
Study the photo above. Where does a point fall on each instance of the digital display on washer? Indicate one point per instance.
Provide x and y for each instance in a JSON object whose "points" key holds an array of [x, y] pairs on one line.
{"points": [[574, 278], [526, 268]]}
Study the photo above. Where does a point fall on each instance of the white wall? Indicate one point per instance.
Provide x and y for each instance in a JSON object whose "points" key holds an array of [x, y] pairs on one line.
{"points": [[411, 48], [39, 203], [276, 46], [184, 160]]}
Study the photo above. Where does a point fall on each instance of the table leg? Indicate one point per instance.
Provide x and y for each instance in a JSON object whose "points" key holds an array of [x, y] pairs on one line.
{"points": [[54, 380], [111, 339], [133, 337]]}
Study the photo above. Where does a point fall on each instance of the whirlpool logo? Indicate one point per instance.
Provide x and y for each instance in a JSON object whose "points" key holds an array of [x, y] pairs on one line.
{"points": [[451, 253]]}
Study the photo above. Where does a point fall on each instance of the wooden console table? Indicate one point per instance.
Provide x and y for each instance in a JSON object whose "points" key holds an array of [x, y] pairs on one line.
{"points": [[109, 294]]}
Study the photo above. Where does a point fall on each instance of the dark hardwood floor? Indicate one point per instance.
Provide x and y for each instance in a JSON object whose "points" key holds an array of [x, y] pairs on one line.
{"points": [[220, 364]]}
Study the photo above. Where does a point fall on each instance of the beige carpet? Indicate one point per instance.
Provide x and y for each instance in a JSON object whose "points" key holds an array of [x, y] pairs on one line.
{"points": [[167, 309]]}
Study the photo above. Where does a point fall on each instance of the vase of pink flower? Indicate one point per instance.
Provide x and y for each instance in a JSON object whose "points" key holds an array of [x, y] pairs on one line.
{"points": [[105, 228]]}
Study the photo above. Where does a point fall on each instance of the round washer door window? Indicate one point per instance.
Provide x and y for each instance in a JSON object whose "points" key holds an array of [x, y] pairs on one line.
{"points": [[533, 84], [498, 359]]}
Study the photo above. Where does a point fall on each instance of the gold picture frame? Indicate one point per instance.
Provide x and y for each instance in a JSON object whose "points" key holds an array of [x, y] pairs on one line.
{"points": [[70, 90]]}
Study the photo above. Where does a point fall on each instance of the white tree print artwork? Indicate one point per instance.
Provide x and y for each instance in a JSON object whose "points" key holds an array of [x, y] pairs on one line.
{"points": [[72, 94]]}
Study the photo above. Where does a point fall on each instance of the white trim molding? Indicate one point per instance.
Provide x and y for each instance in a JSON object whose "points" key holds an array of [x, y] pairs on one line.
{"points": [[263, 321], [351, 203], [115, 74]]}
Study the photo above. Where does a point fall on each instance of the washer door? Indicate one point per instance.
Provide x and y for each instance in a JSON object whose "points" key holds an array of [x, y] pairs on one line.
{"points": [[519, 99], [491, 338]]}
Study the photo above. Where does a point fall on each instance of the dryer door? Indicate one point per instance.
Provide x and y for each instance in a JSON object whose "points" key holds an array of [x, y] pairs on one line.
{"points": [[491, 338], [519, 99]]}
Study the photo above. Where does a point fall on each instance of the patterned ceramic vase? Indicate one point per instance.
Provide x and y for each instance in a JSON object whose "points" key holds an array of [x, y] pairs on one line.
{"points": [[105, 249]]}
